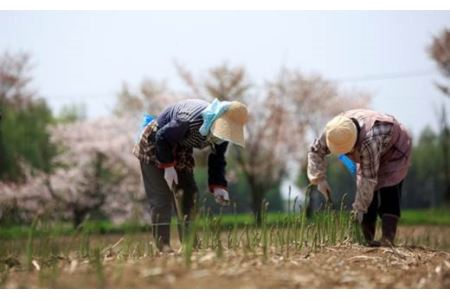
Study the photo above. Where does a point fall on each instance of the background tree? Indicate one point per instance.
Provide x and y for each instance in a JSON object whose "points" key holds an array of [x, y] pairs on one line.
{"points": [[94, 174], [151, 97], [24, 137], [425, 183], [284, 114], [440, 53]]}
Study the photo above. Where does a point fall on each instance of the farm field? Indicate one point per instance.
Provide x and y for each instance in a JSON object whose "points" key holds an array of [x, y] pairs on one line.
{"points": [[283, 256], [254, 144]]}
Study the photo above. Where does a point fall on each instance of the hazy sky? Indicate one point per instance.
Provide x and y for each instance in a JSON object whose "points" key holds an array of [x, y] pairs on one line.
{"points": [[85, 56]]}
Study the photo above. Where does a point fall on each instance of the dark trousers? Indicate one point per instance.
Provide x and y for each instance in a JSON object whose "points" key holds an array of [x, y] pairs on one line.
{"points": [[162, 200], [385, 201]]}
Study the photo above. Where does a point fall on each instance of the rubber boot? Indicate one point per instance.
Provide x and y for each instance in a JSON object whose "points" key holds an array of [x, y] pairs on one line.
{"points": [[161, 234], [368, 229], [389, 229]]}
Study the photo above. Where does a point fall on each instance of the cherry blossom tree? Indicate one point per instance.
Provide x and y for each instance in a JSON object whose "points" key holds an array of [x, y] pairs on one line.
{"points": [[94, 171], [15, 79], [97, 169], [439, 50], [150, 97], [285, 114]]}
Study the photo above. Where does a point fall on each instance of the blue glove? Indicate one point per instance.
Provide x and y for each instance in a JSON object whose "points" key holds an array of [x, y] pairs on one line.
{"points": [[348, 163]]}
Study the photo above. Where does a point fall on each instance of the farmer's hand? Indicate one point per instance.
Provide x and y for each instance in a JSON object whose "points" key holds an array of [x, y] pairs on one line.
{"points": [[222, 196], [171, 177], [357, 215], [325, 189]]}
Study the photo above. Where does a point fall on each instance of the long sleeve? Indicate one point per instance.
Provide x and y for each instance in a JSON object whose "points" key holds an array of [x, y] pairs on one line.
{"points": [[370, 155], [166, 139], [367, 177], [216, 167], [317, 164]]}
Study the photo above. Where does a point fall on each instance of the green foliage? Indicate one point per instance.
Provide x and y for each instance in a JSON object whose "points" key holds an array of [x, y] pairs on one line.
{"points": [[218, 222], [434, 216], [24, 137], [425, 183]]}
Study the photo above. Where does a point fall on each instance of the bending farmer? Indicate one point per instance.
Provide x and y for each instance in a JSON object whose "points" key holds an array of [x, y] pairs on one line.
{"points": [[381, 148], [165, 151]]}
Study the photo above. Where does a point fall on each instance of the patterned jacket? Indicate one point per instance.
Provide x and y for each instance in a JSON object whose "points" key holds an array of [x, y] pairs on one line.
{"points": [[169, 141], [382, 154]]}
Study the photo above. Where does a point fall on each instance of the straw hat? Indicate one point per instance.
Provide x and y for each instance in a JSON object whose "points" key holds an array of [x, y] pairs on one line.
{"points": [[341, 134], [230, 125]]}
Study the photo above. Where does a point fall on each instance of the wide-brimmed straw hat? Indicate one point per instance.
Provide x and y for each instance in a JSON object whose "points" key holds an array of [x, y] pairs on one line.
{"points": [[230, 125], [341, 134]]}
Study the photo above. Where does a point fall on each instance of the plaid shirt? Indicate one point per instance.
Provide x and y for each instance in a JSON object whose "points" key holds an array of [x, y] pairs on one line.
{"points": [[172, 143], [367, 155], [144, 150]]}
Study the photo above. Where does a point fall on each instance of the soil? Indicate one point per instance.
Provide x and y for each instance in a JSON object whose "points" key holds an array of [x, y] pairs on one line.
{"points": [[342, 266]]}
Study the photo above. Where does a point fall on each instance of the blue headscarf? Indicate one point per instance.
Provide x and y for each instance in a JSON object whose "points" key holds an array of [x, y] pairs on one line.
{"points": [[211, 113]]}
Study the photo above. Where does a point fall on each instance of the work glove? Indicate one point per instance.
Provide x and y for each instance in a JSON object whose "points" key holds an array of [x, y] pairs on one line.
{"points": [[325, 189], [357, 216], [171, 177], [222, 196]]}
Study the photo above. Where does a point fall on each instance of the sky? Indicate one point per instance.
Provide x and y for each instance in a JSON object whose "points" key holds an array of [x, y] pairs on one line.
{"points": [[84, 57]]}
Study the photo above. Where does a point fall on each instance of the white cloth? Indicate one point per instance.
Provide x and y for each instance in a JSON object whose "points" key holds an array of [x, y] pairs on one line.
{"points": [[222, 196], [171, 177]]}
